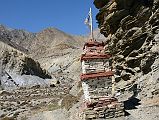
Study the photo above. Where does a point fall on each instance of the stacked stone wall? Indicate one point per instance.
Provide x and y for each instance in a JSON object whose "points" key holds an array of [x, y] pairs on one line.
{"points": [[95, 65], [97, 87]]}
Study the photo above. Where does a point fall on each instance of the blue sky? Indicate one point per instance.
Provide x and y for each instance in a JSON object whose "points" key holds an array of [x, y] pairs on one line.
{"points": [[36, 15]]}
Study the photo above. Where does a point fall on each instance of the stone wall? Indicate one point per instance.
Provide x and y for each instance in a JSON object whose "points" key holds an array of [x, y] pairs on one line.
{"points": [[97, 87], [95, 65], [104, 108]]}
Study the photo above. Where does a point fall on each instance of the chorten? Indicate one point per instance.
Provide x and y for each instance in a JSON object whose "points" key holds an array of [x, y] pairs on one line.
{"points": [[97, 79], [97, 83]]}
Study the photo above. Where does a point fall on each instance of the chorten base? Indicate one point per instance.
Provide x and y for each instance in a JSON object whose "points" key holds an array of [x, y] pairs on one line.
{"points": [[103, 108]]}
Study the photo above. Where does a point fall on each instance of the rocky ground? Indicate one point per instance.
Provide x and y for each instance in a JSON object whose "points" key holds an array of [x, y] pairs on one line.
{"points": [[22, 103]]}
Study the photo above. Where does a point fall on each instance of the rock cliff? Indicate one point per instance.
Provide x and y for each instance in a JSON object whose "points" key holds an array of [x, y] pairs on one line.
{"points": [[131, 28]]}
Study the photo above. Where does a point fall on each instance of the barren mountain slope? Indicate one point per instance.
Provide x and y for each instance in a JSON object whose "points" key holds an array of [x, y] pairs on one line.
{"points": [[19, 39], [51, 44]]}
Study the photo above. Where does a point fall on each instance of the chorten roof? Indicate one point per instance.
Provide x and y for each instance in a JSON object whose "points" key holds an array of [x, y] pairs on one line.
{"points": [[92, 43], [93, 55], [96, 75]]}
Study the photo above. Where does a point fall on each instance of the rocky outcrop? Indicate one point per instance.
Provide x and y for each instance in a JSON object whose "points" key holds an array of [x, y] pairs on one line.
{"points": [[131, 28], [20, 63], [15, 65]]}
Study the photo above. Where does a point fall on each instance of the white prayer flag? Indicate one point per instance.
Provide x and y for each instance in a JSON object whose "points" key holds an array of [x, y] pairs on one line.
{"points": [[88, 19]]}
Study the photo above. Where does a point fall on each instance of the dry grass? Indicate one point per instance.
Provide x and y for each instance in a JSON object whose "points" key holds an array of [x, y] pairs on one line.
{"points": [[7, 118], [54, 106], [68, 101]]}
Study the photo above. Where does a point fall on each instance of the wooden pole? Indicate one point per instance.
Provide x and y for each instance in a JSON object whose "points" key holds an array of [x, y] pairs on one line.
{"points": [[91, 24]]}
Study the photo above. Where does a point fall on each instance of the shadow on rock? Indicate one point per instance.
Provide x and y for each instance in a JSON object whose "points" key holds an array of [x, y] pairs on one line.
{"points": [[131, 103]]}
